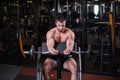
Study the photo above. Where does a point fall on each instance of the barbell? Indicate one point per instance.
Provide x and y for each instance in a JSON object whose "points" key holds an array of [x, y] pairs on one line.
{"points": [[32, 51]]}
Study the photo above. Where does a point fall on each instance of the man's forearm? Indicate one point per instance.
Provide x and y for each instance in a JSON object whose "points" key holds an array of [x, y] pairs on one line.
{"points": [[70, 45], [50, 45]]}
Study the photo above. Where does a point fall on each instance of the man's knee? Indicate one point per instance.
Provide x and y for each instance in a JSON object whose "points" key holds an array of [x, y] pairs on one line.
{"points": [[48, 64], [73, 68]]}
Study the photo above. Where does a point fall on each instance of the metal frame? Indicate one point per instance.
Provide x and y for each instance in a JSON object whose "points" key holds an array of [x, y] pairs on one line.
{"points": [[43, 51]]}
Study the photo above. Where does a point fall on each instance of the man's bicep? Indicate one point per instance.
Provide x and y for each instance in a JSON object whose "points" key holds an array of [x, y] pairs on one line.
{"points": [[48, 35], [50, 41], [70, 41], [71, 37]]}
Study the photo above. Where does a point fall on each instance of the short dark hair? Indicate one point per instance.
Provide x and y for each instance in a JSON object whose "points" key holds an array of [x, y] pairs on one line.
{"points": [[60, 17]]}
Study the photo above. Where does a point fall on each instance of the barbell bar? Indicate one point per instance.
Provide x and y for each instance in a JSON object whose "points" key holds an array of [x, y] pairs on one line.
{"points": [[32, 51]]}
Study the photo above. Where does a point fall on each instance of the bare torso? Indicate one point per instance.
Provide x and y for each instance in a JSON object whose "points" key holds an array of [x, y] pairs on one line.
{"points": [[56, 36]]}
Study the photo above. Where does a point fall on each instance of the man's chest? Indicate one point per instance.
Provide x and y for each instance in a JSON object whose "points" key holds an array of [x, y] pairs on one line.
{"points": [[60, 37]]}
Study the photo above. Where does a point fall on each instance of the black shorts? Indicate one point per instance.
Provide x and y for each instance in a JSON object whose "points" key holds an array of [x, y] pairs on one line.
{"points": [[63, 58]]}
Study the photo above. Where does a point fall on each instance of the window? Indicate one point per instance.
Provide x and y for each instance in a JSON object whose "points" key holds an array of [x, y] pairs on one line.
{"points": [[96, 10]]}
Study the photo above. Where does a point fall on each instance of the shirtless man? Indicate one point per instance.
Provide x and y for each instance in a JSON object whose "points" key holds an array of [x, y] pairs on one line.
{"points": [[60, 34]]}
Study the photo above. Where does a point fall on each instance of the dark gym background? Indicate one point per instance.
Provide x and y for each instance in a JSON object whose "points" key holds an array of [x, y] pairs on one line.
{"points": [[98, 25]]}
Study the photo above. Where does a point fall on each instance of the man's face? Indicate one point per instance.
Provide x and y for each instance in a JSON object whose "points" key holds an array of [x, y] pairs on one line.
{"points": [[61, 26]]}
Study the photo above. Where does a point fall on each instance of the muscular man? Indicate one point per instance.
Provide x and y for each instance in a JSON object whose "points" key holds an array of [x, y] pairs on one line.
{"points": [[60, 34]]}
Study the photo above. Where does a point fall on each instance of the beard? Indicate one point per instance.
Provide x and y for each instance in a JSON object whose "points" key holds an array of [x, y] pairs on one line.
{"points": [[60, 30]]}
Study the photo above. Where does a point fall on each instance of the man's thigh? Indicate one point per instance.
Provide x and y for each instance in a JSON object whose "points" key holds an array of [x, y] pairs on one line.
{"points": [[50, 62], [69, 64]]}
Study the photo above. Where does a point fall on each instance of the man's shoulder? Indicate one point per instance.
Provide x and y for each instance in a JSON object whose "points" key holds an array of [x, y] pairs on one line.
{"points": [[69, 30], [51, 30]]}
